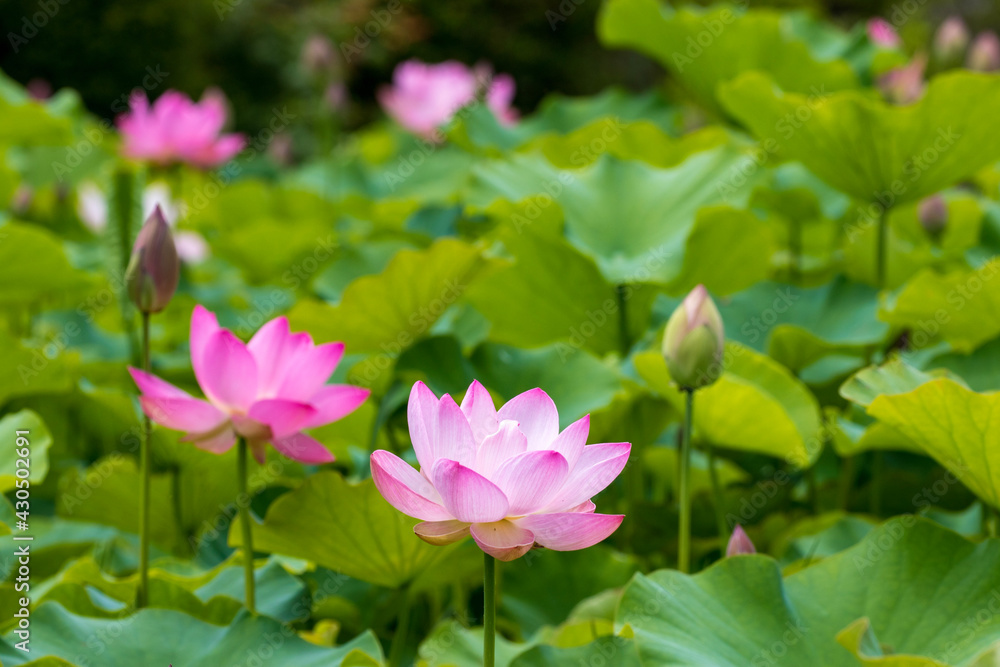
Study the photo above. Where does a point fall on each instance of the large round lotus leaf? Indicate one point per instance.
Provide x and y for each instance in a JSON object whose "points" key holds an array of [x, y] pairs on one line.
{"points": [[914, 586]]}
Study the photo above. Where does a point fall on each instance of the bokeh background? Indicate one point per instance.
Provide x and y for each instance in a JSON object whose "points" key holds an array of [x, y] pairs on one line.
{"points": [[252, 49]]}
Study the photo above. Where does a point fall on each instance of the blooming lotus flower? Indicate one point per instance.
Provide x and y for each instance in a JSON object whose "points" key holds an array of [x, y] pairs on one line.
{"points": [[739, 543], [881, 33], [176, 129], [694, 341], [508, 477], [267, 390], [424, 97], [984, 54]]}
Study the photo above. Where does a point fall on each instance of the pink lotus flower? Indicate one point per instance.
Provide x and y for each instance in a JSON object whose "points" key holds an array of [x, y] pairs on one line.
{"points": [[904, 85], [984, 54], [176, 129], [508, 477], [267, 390], [883, 34], [424, 97]]}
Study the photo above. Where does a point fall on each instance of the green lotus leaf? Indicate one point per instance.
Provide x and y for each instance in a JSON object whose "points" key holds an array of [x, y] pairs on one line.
{"points": [[372, 542], [958, 305], [918, 585], [952, 424], [871, 150], [653, 210], [159, 636], [570, 300], [703, 48], [892, 377], [756, 405], [387, 312], [35, 465], [34, 268]]}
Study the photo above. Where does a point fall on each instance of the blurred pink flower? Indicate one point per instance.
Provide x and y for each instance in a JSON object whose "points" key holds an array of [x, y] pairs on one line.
{"points": [[904, 85], [882, 33], [739, 543], [424, 97], [267, 390], [984, 54], [176, 129], [508, 477], [951, 38]]}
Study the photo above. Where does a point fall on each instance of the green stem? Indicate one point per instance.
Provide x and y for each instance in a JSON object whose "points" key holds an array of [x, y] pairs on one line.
{"points": [[813, 489], [245, 525], [142, 595], [720, 514], [489, 610], [875, 488], [402, 630], [794, 251], [684, 491], [623, 338], [882, 249], [846, 481]]}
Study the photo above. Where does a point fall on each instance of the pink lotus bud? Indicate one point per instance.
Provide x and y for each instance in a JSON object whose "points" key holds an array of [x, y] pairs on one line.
{"points": [[882, 34], [933, 214], [904, 85], [739, 543], [335, 96], [951, 39], [39, 89], [318, 55], [21, 201], [154, 268], [984, 55], [694, 340]]}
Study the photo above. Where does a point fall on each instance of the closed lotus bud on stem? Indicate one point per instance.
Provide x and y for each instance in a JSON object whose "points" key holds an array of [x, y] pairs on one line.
{"points": [[154, 268], [739, 543], [984, 55], [933, 214], [693, 342], [951, 39]]}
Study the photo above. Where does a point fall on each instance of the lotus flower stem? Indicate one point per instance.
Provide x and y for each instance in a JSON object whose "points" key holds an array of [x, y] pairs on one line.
{"points": [[489, 610], [846, 480], [875, 490], [625, 344], [882, 249], [720, 514], [142, 595], [402, 630], [794, 251], [684, 490], [247, 534]]}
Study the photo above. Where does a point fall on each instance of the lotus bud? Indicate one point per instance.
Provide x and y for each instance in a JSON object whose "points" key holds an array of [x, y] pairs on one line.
{"points": [[693, 342], [933, 214], [154, 268], [318, 55], [882, 34], [951, 39], [984, 54], [904, 85], [739, 543]]}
